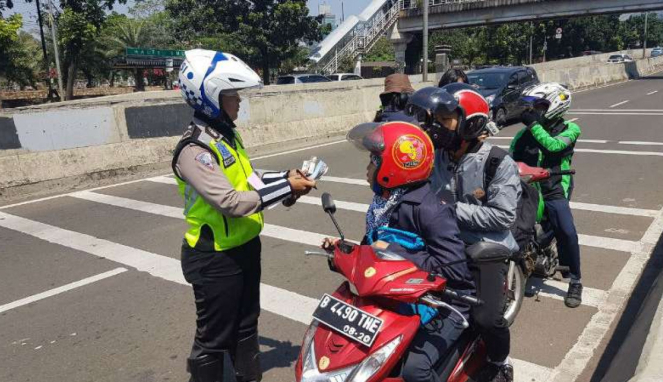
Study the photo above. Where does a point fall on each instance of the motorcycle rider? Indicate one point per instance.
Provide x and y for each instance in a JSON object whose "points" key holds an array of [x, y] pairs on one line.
{"points": [[455, 117], [223, 203], [397, 91], [548, 141], [401, 160]]}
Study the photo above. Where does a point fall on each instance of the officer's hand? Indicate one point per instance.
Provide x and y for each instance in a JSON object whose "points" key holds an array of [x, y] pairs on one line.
{"points": [[300, 185], [530, 117], [294, 172], [485, 135]]}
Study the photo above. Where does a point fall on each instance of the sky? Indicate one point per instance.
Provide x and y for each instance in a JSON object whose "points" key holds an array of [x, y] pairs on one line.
{"points": [[30, 24]]}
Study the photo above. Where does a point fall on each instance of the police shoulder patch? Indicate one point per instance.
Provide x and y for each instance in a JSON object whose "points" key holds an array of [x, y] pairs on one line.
{"points": [[206, 159]]}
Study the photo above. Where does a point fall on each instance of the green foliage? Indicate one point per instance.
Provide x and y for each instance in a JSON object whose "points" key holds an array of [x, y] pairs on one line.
{"points": [[383, 50], [20, 56], [265, 33]]}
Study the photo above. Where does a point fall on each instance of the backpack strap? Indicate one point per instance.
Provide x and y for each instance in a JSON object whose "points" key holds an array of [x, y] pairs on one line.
{"points": [[493, 161]]}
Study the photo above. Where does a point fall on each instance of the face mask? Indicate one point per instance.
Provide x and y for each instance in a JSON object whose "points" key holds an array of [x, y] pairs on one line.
{"points": [[444, 138]]}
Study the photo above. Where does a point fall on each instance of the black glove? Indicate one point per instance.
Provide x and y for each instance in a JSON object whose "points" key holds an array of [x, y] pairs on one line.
{"points": [[530, 117]]}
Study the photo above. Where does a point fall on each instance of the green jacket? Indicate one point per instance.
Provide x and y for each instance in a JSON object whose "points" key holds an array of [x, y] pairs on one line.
{"points": [[550, 148]]}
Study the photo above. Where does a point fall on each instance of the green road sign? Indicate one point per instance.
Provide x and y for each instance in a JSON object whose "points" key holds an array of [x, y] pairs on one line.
{"points": [[146, 52]]}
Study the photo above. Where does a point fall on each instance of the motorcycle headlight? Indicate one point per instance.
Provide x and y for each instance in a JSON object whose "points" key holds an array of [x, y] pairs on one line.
{"points": [[310, 372], [374, 362], [490, 98]]}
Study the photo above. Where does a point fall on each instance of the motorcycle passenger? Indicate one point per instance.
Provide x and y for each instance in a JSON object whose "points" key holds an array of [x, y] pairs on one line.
{"points": [[452, 76], [223, 209], [400, 163], [397, 91], [455, 117], [548, 141]]}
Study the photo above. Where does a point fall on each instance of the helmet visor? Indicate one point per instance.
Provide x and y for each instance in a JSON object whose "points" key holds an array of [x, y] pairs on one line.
{"points": [[367, 137]]}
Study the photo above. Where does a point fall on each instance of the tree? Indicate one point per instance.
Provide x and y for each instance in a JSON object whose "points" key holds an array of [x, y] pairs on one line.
{"points": [[123, 33], [383, 50], [5, 4], [78, 26], [267, 32], [20, 56]]}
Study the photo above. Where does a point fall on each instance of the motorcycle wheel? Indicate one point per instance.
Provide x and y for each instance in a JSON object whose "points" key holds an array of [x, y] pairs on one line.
{"points": [[515, 285]]}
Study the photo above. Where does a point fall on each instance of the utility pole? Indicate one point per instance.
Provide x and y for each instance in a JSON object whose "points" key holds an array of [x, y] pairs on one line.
{"points": [[425, 38], [43, 47], [644, 45], [342, 12], [54, 33], [531, 37]]}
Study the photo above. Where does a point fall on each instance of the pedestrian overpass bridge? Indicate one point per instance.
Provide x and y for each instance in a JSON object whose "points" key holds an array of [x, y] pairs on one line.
{"points": [[400, 20]]}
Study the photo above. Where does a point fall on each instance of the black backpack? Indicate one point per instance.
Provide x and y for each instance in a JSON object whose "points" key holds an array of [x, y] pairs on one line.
{"points": [[528, 205]]}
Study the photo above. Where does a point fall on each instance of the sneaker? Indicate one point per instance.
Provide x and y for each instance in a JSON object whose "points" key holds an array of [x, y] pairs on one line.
{"points": [[573, 297], [496, 373], [504, 374]]}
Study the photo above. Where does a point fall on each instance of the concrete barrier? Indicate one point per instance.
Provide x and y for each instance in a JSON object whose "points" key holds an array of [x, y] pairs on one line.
{"points": [[66, 145], [51, 147]]}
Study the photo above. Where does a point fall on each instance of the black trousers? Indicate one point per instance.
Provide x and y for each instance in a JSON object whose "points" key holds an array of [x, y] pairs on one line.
{"points": [[490, 280], [226, 286]]}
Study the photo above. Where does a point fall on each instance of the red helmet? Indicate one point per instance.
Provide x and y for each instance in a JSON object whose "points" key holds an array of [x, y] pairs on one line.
{"points": [[473, 108], [404, 153]]}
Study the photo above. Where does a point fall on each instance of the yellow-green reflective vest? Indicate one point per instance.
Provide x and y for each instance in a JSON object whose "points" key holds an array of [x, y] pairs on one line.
{"points": [[228, 232]]}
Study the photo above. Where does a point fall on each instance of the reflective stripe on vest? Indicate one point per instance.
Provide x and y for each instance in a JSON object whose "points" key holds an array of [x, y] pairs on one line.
{"points": [[228, 232]]}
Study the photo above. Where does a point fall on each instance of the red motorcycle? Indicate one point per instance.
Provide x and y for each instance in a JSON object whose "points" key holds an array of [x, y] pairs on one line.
{"points": [[357, 335]]}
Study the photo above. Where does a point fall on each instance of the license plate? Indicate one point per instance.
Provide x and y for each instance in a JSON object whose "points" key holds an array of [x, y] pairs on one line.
{"points": [[348, 320]]}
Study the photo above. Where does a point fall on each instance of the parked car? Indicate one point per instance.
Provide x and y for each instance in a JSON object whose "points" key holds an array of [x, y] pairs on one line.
{"points": [[301, 79], [656, 52], [503, 87], [619, 58], [345, 77]]}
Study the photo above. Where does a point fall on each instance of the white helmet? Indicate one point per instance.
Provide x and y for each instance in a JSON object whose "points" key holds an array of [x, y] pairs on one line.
{"points": [[205, 74], [557, 96]]}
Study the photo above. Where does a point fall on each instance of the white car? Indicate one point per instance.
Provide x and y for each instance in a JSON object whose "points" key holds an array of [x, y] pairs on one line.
{"points": [[344, 77], [619, 58]]}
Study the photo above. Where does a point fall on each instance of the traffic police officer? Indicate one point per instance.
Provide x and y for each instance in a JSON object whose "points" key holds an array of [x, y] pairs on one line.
{"points": [[223, 200]]}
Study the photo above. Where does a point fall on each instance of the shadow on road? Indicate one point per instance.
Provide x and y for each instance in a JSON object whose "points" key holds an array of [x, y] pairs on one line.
{"points": [[621, 357], [280, 354]]}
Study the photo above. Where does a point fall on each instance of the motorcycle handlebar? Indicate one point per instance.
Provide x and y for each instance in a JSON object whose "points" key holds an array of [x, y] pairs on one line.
{"points": [[562, 172], [469, 300]]}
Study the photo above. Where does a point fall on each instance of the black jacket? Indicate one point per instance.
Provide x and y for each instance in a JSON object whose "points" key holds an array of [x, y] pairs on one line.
{"points": [[420, 211]]}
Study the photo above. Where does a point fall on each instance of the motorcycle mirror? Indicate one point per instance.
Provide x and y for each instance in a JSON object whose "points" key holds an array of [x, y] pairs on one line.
{"points": [[328, 204], [330, 208]]}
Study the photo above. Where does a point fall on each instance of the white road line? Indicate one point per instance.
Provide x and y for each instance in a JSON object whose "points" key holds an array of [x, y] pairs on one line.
{"points": [[654, 92], [305, 237], [163, 179], [611, 111], [577, 359], [612, 114], [609, 243], [557, 290], [640, 143], [618, 152], [573, 119], [275, 300], [613, 209], [579, 140], [277, 232], [297, 150], [359, 207], [62, 289], [620, 103]]}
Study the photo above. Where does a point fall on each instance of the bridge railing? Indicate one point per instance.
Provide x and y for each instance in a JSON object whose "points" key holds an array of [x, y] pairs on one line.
{"points": [[412, 4], [365, 35]]}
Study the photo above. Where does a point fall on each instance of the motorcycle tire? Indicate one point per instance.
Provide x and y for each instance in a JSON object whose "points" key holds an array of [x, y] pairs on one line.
{"points": [[515, 292]]}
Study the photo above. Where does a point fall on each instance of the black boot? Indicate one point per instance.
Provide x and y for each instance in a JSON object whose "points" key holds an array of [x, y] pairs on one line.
{"points": [[208, 368], [247, 359], [573, 297]]}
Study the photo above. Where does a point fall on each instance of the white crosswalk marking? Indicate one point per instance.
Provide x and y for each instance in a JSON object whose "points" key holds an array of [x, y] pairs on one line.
{"points": [[557, 290], [276, 300]]}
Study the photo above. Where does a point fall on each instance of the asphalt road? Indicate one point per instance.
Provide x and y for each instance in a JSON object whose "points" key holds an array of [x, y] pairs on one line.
{"points": [[92, 289]]}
